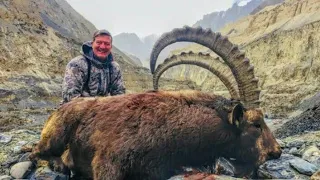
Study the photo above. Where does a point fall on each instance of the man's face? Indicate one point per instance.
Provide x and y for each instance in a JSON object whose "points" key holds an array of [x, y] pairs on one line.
{"points": [[102, 46]]}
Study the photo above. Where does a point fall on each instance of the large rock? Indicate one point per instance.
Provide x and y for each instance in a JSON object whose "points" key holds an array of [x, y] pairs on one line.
{"points": [[5, 177], [21, 170], [303, 167]]}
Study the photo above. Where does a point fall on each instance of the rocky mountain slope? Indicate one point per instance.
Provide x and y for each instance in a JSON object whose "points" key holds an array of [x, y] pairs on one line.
{"points": [[132, 44], [282, 43]]}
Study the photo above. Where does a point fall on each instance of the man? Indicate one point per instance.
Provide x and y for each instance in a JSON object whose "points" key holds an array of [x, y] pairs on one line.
{"points": [[94, 73]]}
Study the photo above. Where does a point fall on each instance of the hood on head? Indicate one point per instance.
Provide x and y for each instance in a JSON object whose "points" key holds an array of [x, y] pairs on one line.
{"points": [[87, 49]]}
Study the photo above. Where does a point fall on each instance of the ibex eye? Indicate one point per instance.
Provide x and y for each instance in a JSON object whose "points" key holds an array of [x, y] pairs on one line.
{"points": [[257, 126]]}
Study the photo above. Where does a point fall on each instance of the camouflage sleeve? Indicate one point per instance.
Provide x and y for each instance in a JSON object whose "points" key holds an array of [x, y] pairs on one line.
{"points": [[117, 84], [73, 80]]}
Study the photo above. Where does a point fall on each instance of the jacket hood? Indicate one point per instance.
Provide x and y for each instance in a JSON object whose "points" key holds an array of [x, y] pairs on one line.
{"points": [[88, 53]]}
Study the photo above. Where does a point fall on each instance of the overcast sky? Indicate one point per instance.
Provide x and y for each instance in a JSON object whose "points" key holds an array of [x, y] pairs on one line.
{"points": [[145, 17]]}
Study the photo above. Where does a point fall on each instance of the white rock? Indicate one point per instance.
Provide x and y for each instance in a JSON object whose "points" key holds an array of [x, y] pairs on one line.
{"points": [[5, 177], [312, 154], [5, 138], [21, 143], [21, 170], [17, 149], [281, 143]]}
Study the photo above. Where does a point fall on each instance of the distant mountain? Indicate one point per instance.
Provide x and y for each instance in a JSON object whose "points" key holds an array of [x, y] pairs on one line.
{"points": [[239, 9], [266, 3], [130, 43], [241, 2], [135, 46], [149, 42], [150, 39]]}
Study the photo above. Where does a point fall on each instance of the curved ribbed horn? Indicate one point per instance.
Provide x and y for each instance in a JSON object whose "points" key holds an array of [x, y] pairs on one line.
{"points": [[233, 57], [218, 69]]}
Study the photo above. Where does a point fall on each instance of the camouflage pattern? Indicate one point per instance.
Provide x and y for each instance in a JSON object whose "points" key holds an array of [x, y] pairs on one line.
{"points": [[105, 77]]}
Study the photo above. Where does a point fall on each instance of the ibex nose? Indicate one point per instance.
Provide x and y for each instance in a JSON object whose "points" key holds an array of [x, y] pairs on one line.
{"points": [[274, 154]]}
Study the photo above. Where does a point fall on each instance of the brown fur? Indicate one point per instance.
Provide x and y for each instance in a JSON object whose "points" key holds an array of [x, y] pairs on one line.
{"points": [[149, 135]]}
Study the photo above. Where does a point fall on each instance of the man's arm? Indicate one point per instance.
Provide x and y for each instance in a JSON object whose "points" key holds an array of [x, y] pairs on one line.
{"points": [[117, 84], [73, 81]]}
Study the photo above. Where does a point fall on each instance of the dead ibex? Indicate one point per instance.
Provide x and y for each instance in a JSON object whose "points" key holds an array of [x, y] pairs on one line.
{"points": [[149, 135], [218, 68]]}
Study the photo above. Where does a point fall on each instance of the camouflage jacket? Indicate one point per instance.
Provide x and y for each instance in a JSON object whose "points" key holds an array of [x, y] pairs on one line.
{"points": [[105, 77]]}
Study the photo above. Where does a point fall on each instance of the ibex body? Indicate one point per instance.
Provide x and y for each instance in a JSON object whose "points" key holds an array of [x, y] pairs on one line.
{"points": [[149, 135]]}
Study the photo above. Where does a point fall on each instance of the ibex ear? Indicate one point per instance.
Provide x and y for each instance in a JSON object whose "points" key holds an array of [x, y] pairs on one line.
{"points": [[236, 115]]}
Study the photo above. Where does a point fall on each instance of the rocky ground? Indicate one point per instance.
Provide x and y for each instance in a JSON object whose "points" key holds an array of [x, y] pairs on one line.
{"points": [[300, 158], [308, 120]]}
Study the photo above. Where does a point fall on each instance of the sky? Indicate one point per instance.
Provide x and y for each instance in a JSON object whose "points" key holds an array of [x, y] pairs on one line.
{"points": [[145, 17]]}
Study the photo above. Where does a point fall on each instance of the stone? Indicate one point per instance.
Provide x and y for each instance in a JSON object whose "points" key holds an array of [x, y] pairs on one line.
{"points": [[17, 149], [24, 157], [179, 177], [277, 168], [296, 144], [294, 151], [21, 143], [312, 155], [47, 173], [5, 138], [225, 167], [5, 177], [281, 143], [303, 167], [21, 170], [203, 176]]}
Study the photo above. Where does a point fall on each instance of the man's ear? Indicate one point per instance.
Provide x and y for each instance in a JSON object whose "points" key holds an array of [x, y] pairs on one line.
{"points": [[236, 115]]}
